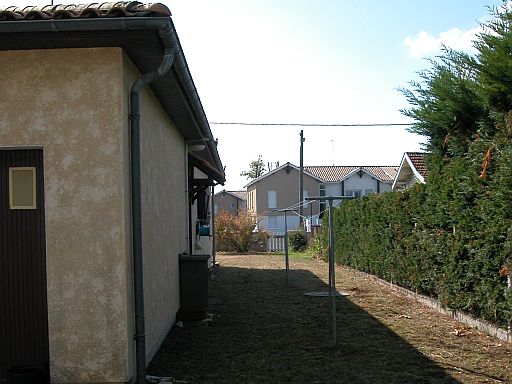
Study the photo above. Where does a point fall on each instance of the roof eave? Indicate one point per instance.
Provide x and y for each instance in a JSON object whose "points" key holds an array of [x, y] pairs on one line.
{"points": [[406, 163], [288, 164], [123, 32], [397, 176]]}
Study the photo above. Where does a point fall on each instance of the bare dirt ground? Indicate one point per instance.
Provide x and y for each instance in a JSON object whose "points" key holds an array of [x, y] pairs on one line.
{"points": [[266, 332]]}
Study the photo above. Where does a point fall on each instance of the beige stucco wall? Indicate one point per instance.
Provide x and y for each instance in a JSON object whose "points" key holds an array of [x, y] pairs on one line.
{"points": [[164, 212], [74, 104], [287, 186], [70, 102]]}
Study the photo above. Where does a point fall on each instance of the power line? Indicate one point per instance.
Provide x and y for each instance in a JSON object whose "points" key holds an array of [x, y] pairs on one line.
{"points": [[313, 124]]}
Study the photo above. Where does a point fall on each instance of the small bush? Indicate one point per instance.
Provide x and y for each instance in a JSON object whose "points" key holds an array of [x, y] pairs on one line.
{"points": [[316, 248], [235, 232], [297, 241]]}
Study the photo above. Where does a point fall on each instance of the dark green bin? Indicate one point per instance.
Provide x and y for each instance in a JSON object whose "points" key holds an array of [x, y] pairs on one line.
{"points": [[193, 287]]}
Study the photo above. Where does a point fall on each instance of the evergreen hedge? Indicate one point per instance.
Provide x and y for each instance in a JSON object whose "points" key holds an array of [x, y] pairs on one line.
{"points": [[450, 238]]}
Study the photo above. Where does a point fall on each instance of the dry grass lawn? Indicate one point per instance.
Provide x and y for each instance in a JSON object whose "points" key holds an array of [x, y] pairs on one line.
{"points": [[266, 332]]}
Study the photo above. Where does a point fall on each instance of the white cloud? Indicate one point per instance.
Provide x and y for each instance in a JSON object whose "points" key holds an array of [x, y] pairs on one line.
{"points": [[426, 44]]}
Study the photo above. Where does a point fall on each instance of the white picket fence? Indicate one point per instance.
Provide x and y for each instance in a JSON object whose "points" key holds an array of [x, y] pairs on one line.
{"points": [[275, 243]]}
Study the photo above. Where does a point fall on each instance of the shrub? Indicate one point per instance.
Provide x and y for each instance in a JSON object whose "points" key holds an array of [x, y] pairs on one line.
{"points": [[297, 240], [235, 232], [316, 248]]}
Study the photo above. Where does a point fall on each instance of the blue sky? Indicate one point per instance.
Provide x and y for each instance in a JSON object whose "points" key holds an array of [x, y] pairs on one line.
{"points": [[316, 61]]}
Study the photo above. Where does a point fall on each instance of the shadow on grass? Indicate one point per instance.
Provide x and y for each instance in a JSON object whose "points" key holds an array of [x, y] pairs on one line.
{"points": [[265, 332]]}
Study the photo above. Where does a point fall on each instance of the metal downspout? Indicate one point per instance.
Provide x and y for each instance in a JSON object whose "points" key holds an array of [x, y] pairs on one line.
{"points": [[188, 189], [138, 270], [213, 226]]}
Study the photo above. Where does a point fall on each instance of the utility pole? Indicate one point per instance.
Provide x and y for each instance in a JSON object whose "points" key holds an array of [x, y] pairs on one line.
{"points": [[301, 176]]}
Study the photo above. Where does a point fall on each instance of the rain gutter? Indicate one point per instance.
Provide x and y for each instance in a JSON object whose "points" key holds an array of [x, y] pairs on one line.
{"points": [[78, 24]]}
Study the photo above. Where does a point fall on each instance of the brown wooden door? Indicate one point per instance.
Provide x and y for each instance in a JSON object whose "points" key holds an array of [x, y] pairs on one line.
{"points": [[23, 292]]}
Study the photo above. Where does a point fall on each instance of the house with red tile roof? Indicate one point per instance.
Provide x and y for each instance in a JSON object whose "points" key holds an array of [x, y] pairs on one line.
{"points": [[106, 164], [354, 180], [279, 189], [412, 170]]}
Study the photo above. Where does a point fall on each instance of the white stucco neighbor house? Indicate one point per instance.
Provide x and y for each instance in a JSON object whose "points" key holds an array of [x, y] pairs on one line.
{"points": [[107, 162], [279, 189]]}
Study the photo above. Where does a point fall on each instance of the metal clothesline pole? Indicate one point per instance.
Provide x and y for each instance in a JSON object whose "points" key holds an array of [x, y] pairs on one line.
{"points": [[332, 278], [286, 257], [332, 273]]}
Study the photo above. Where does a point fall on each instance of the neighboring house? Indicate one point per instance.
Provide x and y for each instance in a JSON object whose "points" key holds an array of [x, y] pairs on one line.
{"points": [[230, 201], [354, 181], [412, 170], [82, 111], [279, 189]]}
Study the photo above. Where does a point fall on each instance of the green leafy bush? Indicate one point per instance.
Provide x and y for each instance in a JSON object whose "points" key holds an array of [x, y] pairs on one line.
{"points": [[316, 248], [297, 241]]}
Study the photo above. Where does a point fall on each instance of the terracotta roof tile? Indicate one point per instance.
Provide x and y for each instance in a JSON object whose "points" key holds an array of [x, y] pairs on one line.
{"points": [[418, 160], [330, 173], [383, 173], [90, 10], [336, 173]]}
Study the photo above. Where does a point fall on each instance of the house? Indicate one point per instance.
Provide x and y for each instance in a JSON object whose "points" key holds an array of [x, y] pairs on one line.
{"points": [[106, 166], [354, 181], [412, 170], [230, 201], [279, 189]]}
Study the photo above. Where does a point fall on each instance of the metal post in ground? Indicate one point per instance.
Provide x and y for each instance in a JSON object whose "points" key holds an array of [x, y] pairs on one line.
{"points": [[332, 276], [301, 177], [332, 279], [286, 259]]}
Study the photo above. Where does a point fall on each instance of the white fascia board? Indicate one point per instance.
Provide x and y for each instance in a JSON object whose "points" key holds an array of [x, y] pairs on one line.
{"points": [[399, 171], [357, 170]]}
